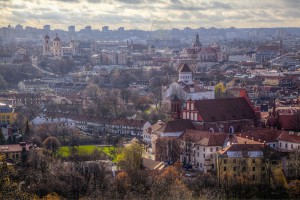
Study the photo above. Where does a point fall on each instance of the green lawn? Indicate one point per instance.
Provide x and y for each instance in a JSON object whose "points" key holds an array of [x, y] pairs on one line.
{"points": [[65, 151]]}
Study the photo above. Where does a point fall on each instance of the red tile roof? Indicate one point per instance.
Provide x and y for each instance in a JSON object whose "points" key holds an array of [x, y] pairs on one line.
{"points": [[263, 135], [293, 137], [176, 126], [212, 110], [204, 138], [12, 148]]}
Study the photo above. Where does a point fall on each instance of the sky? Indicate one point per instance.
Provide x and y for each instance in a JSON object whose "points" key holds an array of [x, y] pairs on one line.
{"points": [[151, 14]]}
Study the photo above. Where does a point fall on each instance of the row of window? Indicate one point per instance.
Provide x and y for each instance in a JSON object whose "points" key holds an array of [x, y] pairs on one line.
{"points": [[225, 161], [4, 117], [234, 168], [286, 146], [211, 149], [185, 77], [211, 155]]}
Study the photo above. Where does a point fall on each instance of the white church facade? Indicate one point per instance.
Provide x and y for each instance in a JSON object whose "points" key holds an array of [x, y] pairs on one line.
{"points": [[55, 49], [186, 88]]}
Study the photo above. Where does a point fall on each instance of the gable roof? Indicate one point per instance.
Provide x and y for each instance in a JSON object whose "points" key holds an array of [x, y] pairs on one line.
{"points": [[178, 125], [184, 68], [263, 135], [212, 110], [205, 138], [290, 137]]}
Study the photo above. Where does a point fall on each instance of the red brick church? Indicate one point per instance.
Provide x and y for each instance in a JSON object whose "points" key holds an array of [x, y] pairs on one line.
{"points": [[227, 115]]}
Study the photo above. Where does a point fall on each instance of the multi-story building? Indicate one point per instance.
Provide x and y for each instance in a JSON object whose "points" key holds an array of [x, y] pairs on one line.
{"points": [[217, 115], [249, 163], [198, 149], [14, 152], [187, 88], [7, 114]]}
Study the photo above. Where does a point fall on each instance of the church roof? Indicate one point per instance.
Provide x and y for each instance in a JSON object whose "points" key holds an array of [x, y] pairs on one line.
{"points": [[185, 68], [224, 109]]}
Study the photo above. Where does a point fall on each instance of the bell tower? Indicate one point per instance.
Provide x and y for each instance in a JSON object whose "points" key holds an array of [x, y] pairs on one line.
{"points": [[175, 107], [46, 46]]}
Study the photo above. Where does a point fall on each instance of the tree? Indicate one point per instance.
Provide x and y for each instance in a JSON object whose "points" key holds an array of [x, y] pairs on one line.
{"points": [[52, 143], [130, 157], [294, 163], [219, 90], [179, 92], [2, 138], [167, 149], [3, 83]]}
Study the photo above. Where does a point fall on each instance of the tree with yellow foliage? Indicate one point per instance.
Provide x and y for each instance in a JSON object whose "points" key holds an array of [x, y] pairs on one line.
{"points": [[220, 90], [130, 157]]}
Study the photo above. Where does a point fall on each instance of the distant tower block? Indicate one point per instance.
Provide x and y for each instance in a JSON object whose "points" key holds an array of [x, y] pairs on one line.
{"points": [[57, 50], [46, 46]]}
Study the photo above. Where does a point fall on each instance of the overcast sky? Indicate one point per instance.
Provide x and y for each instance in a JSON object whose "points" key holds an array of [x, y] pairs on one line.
{"points": [[142, 13]]}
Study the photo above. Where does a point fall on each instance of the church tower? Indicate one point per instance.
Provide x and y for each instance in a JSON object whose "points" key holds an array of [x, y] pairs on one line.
{"points": [[185, 74], [46, 46], [175, 107], [57, 50], [197, 44]]}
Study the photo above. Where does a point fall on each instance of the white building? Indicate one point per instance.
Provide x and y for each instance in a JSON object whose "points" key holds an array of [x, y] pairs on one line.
{"points": [[186, 88], [56, 50], [199, 149]]}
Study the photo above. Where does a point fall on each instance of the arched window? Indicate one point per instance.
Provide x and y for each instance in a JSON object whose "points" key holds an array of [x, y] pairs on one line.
{"points": [[231, 130]]}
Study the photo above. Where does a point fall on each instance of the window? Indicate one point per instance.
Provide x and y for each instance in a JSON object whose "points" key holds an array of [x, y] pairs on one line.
{"points": [[253, 177], [200, 165], [217, 148], [211, 156], [211, 149], [231, 130], [197, 154], [204, 149], [224, 169], [234, 168], [234, 161], [253, 160], [263, 168], [273, 145], [286, 145], [280, 144], [198, 148], [292, 146], [253, 169], [225, 161], [203, 155], [244, 169]]}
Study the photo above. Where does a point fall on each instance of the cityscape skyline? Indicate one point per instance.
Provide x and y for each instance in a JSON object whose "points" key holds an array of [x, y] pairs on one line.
{"points": [[140, 14]]}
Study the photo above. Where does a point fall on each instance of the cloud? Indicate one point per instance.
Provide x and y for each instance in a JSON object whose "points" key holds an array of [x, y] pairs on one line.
{"points": [[129, 13]]}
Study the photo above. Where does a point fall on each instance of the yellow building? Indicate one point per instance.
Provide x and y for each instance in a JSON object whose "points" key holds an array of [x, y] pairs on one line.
{"points": [[249, 163], [7, 114]]}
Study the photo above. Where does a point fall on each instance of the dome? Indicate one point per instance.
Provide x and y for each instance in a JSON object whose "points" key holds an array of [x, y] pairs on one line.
{"points": [[46, 37], [56, 38]]}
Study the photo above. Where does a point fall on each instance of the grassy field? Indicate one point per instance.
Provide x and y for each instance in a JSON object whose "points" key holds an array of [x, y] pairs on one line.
{"points": [[65, 151]]}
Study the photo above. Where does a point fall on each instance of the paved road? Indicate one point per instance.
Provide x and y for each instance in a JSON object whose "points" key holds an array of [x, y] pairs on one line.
{"points": [[35, 65]]}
